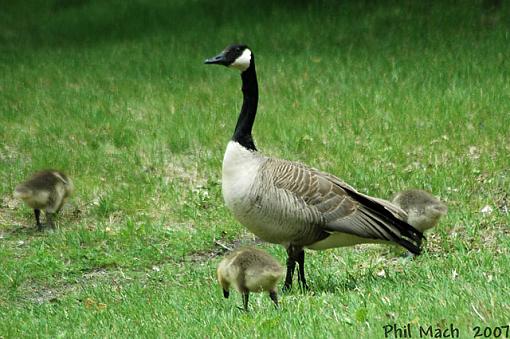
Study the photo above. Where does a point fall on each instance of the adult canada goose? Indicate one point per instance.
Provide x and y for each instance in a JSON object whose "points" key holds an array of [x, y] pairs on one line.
{"points": [[423, 209], [46, 190], [294, 205], [249, 270]]}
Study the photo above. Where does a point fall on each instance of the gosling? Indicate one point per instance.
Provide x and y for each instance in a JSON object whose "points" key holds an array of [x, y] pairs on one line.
{"points": [[423, 209], [47, 190], [250, 270]]}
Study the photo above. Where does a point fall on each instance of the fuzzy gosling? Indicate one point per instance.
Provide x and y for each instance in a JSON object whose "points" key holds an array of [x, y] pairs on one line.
{"points": [[423, 209], [250, 270], [47, 190]]}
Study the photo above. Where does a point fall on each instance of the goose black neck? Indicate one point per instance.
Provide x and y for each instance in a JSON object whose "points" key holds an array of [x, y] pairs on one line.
{"points": [[242, 133]]}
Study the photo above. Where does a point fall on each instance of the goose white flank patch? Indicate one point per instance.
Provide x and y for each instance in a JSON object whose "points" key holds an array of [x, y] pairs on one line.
{"points": [[46, 190], [291, 204]]}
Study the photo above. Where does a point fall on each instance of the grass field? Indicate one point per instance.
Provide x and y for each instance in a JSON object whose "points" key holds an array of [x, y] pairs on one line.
{"points": [[386, 95]]}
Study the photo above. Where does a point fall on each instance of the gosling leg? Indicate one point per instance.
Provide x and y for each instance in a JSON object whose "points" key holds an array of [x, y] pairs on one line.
{"points": [[49, 219], [274, 298], [37, 213]]}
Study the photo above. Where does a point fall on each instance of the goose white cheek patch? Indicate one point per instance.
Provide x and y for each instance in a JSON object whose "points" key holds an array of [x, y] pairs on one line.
{"points": [[243, 61]]}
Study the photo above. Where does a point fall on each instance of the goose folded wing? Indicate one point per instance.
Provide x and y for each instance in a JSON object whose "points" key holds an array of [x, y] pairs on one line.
{"points": [[345, 210]]}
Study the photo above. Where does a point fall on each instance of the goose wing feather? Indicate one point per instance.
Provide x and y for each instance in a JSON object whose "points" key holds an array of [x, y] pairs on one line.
{"points": [[341, 208]]}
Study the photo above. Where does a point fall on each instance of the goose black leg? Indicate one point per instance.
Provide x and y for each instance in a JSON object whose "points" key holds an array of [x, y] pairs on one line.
{"points": [[37, 213], [274, 298], [300, 258], [295, 255], [291, 265]]}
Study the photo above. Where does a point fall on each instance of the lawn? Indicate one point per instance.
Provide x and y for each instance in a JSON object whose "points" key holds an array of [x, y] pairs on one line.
{"points": [[387, 95]]}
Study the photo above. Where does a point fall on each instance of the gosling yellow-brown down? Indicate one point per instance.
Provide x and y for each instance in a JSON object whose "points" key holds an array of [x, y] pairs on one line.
{"points": [[423, 209], [250, 270], [46, 190]]}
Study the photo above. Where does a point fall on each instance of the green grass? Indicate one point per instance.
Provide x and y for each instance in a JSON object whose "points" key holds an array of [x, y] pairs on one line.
{"points": [[385, 95]]}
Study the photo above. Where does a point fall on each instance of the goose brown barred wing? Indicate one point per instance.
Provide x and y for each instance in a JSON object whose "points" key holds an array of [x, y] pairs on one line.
{"points": [[342, 208]]}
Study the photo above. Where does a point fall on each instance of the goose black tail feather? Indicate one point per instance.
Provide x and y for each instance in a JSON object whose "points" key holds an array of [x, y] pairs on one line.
{"points": [[410, 238]]}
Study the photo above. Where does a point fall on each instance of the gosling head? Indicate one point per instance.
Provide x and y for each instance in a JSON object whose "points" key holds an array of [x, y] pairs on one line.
{"points": [[423, 209], [234, 56]]}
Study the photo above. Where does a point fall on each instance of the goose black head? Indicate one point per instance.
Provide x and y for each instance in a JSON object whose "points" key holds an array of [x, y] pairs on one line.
{"points": [[234, 56]]}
